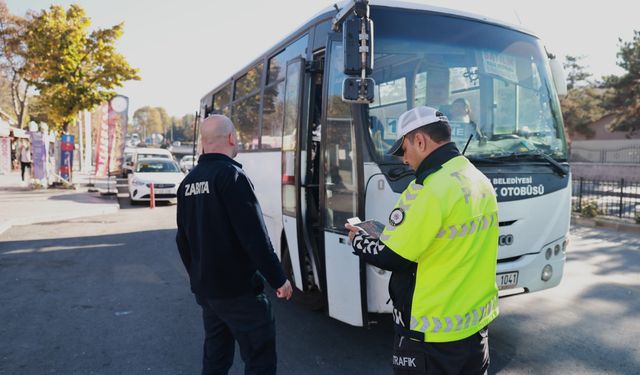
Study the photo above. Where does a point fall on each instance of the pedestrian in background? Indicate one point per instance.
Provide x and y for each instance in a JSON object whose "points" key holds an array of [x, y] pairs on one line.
{"points": [[226, 250], [441, 245], [25, 157]]}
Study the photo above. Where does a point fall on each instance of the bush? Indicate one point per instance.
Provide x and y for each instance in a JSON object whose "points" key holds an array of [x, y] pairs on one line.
{"points": [[637, 217], [590, 209]]}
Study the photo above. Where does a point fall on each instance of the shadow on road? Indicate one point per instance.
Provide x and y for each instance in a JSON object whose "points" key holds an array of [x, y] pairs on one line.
{"points": [[120, 303]]}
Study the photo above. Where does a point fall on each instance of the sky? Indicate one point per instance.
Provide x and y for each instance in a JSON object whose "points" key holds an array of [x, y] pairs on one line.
{"points": [[184, 48]]}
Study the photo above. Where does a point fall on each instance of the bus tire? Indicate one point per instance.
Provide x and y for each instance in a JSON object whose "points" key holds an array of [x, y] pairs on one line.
{"points": [[312, 299]]}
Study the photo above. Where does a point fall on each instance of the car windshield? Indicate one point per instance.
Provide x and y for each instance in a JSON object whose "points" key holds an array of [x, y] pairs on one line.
{"points": [[144, 156], [146, 166], [493, 83]]}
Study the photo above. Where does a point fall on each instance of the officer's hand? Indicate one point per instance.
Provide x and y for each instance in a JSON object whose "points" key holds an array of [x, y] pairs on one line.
{"points": [[285, 291], [353, 230]]}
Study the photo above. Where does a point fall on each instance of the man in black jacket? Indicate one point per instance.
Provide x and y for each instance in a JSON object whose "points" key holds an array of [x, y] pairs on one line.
{"points": [[226, 250]]}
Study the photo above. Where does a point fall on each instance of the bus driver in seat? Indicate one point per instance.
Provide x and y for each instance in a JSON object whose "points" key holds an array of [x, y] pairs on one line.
{"points": [[461, 114]]}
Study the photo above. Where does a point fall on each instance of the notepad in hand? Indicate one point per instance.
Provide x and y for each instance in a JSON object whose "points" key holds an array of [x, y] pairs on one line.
{"points": [[372, 228]]}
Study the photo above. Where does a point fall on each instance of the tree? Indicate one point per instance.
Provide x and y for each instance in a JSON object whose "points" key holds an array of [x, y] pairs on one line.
{"points": [[12, 47], [148, 120], [183, 127], [624, 100], [583, 103], [72, 69], [576, 72]]}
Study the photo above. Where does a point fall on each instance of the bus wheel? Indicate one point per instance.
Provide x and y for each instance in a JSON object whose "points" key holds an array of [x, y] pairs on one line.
{"points": [[311, 299]]}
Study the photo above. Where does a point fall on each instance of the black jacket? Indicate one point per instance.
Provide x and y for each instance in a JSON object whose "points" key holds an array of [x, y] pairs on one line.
{"points": [[221, 236]]}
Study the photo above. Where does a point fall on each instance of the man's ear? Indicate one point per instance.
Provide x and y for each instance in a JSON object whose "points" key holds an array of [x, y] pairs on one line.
{"points": [[422, 139], [231, 140]]}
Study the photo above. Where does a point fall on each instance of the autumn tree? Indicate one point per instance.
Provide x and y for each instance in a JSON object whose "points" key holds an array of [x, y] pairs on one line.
{"points": [[151, 120], [183, 127], [72, 69], [13, 83], [583, 103], [624, 100]]}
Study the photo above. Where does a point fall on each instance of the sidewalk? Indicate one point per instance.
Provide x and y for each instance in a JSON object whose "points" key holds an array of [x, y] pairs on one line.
{"points": [[21, 205]]}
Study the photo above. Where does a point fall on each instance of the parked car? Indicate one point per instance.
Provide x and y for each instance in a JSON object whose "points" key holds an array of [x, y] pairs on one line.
{"points": [[163, 173], [136, 154], [187, 163]]}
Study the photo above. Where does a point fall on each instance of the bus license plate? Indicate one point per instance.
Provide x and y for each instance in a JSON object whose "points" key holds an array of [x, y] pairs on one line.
{"points": [[507, 280]]}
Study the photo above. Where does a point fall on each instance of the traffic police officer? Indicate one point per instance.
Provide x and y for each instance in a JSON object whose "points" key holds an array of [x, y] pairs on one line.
{"points": [[441, 246], [226, 250]]}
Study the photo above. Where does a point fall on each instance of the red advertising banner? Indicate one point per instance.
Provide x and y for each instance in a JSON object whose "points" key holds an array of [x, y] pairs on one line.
{"points": [[110, 129], [101, 131], [118, 118]]}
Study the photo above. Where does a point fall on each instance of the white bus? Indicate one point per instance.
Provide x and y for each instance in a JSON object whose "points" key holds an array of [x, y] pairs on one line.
{"points": [[316, 160]]}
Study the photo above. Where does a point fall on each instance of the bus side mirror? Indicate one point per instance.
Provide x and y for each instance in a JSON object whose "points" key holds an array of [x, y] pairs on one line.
{"points": [[354, 47], [358, 90], [559, 79]]}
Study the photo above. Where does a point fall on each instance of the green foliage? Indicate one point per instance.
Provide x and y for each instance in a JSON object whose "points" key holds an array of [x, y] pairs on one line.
{"points": [[625, 98], [150, 120], [576, 72], [583, 103], [183, 127], [72, 69], [14, 88], [637, 217], [580, 108], [590, 209]]}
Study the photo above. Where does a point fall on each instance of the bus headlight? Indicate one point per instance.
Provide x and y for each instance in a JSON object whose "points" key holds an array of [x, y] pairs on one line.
{"points": [[547, 254], [547, 272]]}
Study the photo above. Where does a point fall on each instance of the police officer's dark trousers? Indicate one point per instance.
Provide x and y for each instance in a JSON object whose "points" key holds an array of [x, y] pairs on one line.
{"points": [[468, 356], [247, 319]]}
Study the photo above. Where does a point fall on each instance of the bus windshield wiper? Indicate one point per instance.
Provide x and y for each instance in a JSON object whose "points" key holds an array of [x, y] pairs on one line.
{"points": [[481, 159], [536, 155]]}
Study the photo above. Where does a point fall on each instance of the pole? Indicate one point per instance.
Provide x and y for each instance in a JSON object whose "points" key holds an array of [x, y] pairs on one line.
{"points": [[195, 132], [621, 196], [152, 197], [580, 195]]}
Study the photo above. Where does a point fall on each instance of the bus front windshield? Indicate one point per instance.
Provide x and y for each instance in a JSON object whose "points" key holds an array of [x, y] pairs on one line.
{"points": [[493, 83]]}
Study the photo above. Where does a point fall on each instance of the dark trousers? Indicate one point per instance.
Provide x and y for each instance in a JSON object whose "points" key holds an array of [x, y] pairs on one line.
{"points": [[466, 356], [24, 166], [249, 321]]}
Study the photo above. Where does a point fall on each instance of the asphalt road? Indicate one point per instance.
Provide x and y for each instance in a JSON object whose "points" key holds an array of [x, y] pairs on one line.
{"points": [[108, 295]]}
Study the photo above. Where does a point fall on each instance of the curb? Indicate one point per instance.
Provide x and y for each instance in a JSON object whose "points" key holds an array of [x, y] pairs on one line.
{"points": [[606, 223]]}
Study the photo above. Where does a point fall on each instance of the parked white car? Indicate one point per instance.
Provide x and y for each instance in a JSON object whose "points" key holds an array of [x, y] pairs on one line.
{"points": [[134, 154], [163, 173], [187, 163]]}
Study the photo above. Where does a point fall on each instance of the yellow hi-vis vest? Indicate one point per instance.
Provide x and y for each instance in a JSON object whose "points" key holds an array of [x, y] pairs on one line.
{"points": [[449, 227]]}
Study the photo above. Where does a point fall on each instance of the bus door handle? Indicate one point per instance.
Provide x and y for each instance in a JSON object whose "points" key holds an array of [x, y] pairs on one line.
{"points": [[310, 185]]}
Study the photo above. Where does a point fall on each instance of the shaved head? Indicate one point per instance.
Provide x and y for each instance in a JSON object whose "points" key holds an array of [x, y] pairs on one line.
{"points": [[218, 135]]}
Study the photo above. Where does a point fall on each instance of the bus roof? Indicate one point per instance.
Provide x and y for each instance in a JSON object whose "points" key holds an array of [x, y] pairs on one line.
{"points": [[329, 12]]}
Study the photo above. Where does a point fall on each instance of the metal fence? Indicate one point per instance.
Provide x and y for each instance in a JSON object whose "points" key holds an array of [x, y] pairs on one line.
{"points": [[613, 198], [624, 155]]}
